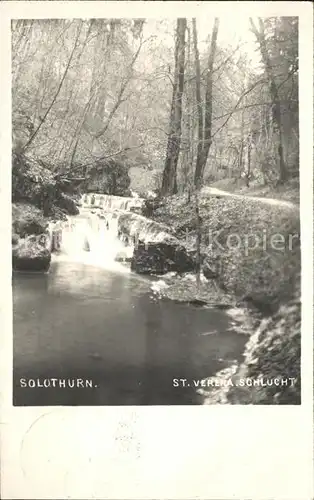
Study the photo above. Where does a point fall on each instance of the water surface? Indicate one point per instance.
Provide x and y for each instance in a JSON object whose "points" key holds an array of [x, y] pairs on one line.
{"points": [[80, 320], [90, 318]]}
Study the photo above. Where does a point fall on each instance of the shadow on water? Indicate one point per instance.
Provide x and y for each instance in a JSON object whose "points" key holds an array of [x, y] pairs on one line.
{"points": [[82, 322]]}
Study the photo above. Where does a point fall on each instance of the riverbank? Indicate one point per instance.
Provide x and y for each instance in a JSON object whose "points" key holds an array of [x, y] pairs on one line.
{"points": [[270, 372], [250, 268], [39, 199], [83, 321], [250, 249], [250, 253]]}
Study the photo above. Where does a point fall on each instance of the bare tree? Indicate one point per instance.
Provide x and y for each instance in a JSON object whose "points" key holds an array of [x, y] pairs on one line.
{"points": [[34, 134], [120, 97], [199, 103], [188, 125], [207, 138], [169, 181], [276, 110]]}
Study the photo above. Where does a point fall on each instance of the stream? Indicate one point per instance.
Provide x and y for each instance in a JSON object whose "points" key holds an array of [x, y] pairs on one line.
{"points": [[91, 319]]}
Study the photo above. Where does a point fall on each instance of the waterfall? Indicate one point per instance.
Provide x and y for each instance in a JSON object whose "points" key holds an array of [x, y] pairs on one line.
{"points": [[92, 236], [106, 201], [112, 235]]}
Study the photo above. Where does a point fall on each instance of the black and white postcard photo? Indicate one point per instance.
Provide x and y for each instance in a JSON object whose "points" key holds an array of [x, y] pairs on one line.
{"points": [[156, 209]]}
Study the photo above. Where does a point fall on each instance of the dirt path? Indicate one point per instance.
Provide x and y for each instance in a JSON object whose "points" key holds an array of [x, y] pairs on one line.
{"points": [[270, 201]]}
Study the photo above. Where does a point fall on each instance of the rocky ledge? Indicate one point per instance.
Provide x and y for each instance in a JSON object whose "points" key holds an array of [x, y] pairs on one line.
{"points": [[156, 250], [32, 238], [31, 253]]}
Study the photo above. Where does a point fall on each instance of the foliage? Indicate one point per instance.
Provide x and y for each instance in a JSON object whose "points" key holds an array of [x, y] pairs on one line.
{"points": [[276, 353], [34, 183], [265, 278], [105, 102], [86, 89], [95, 100], [31, 254], [108, 177], [27, 220], [271, 360], [264, 275]]}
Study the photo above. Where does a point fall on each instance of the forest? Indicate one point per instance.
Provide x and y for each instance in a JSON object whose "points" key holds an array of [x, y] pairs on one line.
{"points": [[161, 133], [151, 105]]}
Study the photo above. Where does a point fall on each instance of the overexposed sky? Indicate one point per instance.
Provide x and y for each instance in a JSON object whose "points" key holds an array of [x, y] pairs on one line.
{"points": [[233, 31]]}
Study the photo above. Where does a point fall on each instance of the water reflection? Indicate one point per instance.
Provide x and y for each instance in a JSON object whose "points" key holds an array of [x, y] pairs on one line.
{"points": [[84, 321], [169, 344]]}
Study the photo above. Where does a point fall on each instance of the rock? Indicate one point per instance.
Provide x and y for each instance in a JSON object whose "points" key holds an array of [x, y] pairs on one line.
{"points": [[160, 258], [86, 245], [27, 220], [68, 204], [264, 305], [29, 180], [209, 271], [31, 253], [35, 183], [156, 251], [122, 257], [150, 205], [15, 239], [220, 305], [57, 214], [193, 302], [109, 176], [136, 210], [56, 239], [273, 352]]}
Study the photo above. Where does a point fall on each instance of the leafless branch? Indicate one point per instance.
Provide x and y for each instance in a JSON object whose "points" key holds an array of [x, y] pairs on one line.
{"points": [[102, 158], [120, 95], [31, 139], [252, 87]]}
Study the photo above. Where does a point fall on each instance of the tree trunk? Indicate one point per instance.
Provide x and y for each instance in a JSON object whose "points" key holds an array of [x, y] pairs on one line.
{"points": [[199, 104], [187, 123], [248, 172], [198, 243], [207, 138], [169, 181], [276, 111]]}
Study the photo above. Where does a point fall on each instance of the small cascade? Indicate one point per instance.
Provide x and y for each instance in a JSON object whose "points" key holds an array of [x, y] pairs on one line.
{"points": [[106, 232], [106, 201], [92, 237]]}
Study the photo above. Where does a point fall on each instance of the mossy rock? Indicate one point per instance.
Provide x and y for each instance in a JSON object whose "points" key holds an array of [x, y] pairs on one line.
{"points": [[32, 254], [27, 220]]}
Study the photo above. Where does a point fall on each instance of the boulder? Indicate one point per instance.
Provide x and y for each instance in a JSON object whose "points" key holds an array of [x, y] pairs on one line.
{"points": [[122, 257], [29, 180], [14, 239], [209, 270], [27, 220], [272, 352], [36, 184], [32, 253], [68, 204], [160, 258], [136, 210], [56, 239], [150, 205], [156, 250], [108, 176]]}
